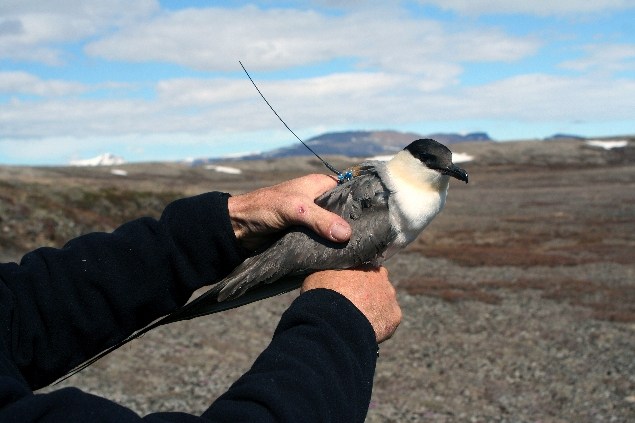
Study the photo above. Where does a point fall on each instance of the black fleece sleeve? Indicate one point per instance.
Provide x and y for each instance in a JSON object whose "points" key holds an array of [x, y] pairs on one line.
{"points": [[319, 367], [60, 307]]}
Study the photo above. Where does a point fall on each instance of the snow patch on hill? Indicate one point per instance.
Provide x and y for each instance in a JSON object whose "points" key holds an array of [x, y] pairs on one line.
{"points": [[607, 145], [225, 169], [106, 159]]}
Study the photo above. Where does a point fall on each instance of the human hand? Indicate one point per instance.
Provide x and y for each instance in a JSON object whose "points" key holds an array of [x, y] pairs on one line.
{"points": [[369, 290], [258, 214]]}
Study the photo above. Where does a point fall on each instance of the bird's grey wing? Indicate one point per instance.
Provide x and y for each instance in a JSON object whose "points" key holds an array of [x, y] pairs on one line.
{"points": [[363, 202]]}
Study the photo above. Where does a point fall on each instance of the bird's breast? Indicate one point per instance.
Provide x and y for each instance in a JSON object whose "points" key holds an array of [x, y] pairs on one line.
{"points": [[412, 209]]}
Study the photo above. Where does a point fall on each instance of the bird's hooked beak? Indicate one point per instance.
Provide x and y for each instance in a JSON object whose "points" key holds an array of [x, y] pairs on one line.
{"points": [[456, 172]]}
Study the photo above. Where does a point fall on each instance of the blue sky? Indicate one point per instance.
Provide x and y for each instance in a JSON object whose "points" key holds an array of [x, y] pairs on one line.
{"points": [[160, 80]]}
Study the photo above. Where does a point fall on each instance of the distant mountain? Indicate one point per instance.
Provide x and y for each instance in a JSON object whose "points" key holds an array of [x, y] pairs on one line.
{"points": [[106, 159], [557, 137], [452, 138], [358, 144], [349, 143]]}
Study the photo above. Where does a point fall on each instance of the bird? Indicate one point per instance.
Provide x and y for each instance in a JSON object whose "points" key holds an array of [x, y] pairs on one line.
{"points": [[387, 204]]}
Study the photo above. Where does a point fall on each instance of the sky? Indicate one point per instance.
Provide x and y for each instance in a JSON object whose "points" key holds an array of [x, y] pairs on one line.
{"points": [[160, 80]]}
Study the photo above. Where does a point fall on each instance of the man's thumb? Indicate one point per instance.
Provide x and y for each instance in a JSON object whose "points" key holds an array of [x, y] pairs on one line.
{"points": [[329, 225]]}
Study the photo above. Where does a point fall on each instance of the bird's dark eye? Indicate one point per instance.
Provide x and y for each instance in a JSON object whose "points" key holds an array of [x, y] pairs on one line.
{"points": [[426, 158]]}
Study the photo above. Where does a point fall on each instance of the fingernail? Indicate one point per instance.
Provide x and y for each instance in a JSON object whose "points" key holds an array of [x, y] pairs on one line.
{"points": [[340, 232]]}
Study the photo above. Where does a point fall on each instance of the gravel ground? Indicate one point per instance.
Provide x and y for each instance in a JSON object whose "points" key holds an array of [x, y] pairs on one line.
{"points": [[518, 301], [524, 359]]}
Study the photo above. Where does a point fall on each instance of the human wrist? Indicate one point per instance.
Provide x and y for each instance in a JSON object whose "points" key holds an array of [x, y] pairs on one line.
{"points": [[237, 216], [248, 221]]}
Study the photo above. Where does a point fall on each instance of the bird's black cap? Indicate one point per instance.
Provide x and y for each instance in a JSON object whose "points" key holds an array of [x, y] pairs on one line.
{"points": [[436, 156]]}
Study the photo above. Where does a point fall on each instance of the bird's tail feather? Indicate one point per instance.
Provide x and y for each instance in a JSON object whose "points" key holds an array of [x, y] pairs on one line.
{"points": [[208, 303]]}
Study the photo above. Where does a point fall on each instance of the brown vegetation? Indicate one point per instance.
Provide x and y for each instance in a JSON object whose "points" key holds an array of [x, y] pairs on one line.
{"points": [[606, 302]]}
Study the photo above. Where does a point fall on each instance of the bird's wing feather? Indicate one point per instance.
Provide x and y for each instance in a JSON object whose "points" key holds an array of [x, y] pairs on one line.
{"points": [[362, 202]]}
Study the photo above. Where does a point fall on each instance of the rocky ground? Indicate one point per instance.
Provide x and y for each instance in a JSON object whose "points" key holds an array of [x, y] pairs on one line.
{"points": [[518, 301]]}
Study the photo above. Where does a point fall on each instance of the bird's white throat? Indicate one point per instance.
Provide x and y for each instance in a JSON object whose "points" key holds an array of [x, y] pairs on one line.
{"points": [[417, 195]]}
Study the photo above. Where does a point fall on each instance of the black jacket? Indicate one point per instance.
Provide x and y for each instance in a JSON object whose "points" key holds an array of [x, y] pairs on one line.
{"points": [[59, 307]]}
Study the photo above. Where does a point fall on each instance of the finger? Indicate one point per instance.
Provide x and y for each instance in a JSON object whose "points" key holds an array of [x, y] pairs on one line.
{"points": [[301, 209], [326, 224], [317, 184]]}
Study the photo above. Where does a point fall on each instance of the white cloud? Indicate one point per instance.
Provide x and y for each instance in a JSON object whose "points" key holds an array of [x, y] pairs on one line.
{"points": [[200, 92], [214, 39], [71, 117], [199, 107], [32, 30], [541, 97], [607, 58], [534, 7], [25, 83]]}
